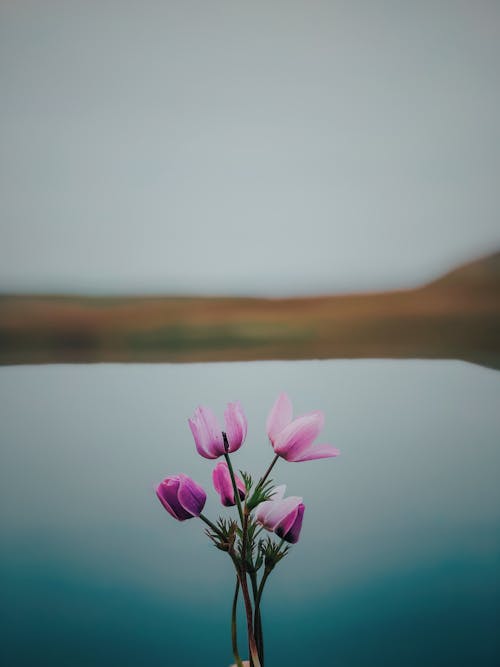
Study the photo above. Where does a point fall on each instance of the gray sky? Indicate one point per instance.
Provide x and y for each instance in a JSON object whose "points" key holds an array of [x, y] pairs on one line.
{"points": [[246, 147]]}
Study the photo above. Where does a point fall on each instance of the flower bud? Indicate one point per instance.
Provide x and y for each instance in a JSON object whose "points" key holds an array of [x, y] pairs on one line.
{"points": [[223, 485], [181, 497], [282, 515], [290, 526]]}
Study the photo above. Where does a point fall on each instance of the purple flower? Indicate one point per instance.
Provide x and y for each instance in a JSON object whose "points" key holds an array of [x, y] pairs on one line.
{"points": [[224, 486], [292, 439], [208, 435], [282, 515], [181, 497]]}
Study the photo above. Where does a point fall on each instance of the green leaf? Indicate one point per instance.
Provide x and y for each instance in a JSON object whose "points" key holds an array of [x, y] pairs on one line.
{"points": [[262, 493], [247, 480], [272, 552], [225, 538]]}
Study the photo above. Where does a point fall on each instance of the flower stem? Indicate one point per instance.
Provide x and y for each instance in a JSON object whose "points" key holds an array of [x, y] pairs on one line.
{"points": [[258, 532], [257, 614], [233, 480], [234, 630], [254, 654], [242, 566], [212, 525], [257, 622], [266, 474], [261, 588]]}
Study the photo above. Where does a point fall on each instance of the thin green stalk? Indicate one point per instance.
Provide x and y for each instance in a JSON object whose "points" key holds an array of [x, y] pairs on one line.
{"points": [[257, 591], [257, 614], [242, 569], [261, 588], [260, 646], [240, 580], [233, 480], [252, 646], [234, 629], [266, 474], [212, 525], [258, 532], [257, 623]]}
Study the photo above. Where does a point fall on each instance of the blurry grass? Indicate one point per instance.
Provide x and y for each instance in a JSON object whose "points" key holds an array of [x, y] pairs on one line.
{"points": [[457, 316], [183, 338]]}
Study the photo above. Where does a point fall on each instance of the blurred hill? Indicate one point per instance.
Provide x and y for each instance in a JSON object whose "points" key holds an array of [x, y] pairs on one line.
{"points": [[482, 274], [456, 316]]}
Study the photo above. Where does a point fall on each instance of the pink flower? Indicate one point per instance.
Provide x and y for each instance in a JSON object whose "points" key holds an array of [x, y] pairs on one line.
{"points": [[181, 497], [293, 439], [282, 515], [208, 435], [224, 486]]}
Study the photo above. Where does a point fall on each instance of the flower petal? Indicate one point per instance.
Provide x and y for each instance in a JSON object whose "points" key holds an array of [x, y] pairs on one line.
{"points": [[191, 496], [167, 495], [242, 491], [220, 485], [299, 435], [281, 511], [317, 452], [236, 425], [278, 492], [266, 506], [287, 522], [207, 433], [221, 478], [293, 533], [279, 417]]}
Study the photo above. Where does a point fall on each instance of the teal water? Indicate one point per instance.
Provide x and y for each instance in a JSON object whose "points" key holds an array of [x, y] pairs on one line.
{"points": [[399, 559]]}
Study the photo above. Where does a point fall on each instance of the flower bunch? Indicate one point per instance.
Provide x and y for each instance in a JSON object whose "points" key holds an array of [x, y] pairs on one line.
{"points": [[261, 506]]}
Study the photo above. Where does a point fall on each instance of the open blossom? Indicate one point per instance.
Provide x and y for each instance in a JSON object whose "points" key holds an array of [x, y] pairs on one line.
{"points": [[181, 497], [292, 439], [224, 486], [282, 515], [208, 434]]}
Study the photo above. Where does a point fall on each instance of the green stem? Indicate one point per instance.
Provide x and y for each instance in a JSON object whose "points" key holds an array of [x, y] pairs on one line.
{"points": [[252, 646], [258, 532], [261, 588], [233, 480], [257, 622], [234, 630], [257, 614], [242, 570], [266, 474], [212, 525], [260, 646]]}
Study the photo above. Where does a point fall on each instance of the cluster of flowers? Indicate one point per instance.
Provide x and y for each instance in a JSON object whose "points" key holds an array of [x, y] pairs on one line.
{"points": [[259, 507]]}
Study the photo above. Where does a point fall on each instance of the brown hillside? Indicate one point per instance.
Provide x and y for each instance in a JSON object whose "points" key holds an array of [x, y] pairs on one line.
{"points": [[456, 316]]}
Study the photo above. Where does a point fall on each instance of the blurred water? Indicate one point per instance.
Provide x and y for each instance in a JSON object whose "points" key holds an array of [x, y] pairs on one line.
{"points": [[399, 558]]}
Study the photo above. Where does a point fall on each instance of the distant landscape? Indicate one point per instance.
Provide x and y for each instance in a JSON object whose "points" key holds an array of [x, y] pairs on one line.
{"points": [[456, 316]]}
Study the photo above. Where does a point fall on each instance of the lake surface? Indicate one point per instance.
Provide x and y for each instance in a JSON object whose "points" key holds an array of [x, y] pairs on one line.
{"points": [[399, 559]]}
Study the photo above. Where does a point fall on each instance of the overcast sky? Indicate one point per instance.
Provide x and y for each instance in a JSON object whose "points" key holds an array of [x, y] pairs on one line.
{"points": [[264, 147]]}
